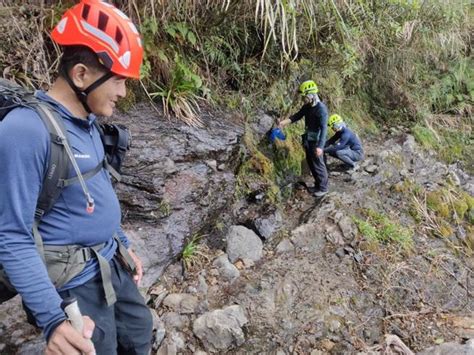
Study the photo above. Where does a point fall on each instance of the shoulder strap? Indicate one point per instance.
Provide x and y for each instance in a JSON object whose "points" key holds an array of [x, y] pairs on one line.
{"points": [[106, 141], [60, 138], [58, 169]]}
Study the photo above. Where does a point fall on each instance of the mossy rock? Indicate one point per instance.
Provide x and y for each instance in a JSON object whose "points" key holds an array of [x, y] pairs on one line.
{"points": [[445, 230], [470, 216], [470, 238], [461, 207], [435, 201], [469, 200]]}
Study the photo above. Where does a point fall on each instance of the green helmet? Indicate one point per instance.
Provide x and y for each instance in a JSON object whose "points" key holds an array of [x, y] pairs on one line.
{"points": [[308, 87], [335, 119]]}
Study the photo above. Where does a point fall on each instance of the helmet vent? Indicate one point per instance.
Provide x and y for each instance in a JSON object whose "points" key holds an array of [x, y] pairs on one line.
{"points": [[85, 11], [118, 36], [103, 19]]}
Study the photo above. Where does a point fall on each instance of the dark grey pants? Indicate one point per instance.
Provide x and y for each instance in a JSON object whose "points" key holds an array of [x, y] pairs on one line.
{"points": [[317, 166], [123, 328]]}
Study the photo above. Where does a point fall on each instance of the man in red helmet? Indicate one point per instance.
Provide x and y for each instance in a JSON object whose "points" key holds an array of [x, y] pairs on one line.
{"points": [[101, 50]]}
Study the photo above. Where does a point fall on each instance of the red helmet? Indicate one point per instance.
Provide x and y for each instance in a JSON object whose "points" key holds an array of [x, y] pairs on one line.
{"points": [[107, 31]]}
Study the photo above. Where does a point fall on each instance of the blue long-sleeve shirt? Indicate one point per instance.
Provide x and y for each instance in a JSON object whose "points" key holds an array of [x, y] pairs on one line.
{"points": [[343, 139], [316, 120], [24, 158]]}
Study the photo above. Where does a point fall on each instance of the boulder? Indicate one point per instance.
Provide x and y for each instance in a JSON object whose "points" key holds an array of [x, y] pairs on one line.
{"points": [[308, 237], [181, 303], [226, 269], [243, 243], [285, 246], [221, 330], [268, 225]]}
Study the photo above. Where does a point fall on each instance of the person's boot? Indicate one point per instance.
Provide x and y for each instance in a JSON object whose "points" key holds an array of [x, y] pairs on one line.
{"points": [[320, 193], [352, 169]]}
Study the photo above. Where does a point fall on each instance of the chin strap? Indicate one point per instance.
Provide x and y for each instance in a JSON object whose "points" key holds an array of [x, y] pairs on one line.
{"points": [[82, 95], [315, 100]]}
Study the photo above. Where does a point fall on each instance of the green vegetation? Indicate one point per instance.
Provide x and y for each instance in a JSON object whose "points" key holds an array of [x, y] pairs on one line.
{"points": [[257, 173], [194, 253], [450, 136], [378, 228], [446, 212], [165, 208], [387, 62]]}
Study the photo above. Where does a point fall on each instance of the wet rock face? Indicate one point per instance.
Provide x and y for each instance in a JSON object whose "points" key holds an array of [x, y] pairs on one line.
{"points": [[171, 184]]}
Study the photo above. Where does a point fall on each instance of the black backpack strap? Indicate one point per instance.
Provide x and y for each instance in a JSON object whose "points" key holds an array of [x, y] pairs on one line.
{"points": [[112, 170], [115, 146], [66, 182]]}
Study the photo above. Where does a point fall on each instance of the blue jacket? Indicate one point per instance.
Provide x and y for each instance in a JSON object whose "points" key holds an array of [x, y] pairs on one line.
{"points": [[24, 156], [343, 139]]}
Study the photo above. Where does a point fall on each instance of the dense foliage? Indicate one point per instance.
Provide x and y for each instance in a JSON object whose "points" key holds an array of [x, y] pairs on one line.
{"points": [[377, 62]]}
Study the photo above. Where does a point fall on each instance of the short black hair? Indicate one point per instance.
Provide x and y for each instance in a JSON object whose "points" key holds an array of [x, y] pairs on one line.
{"points": [[73, 55]]}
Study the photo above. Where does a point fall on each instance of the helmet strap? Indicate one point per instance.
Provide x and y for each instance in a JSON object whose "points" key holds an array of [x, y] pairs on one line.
{"points": [[82, 95], [314, 99]]}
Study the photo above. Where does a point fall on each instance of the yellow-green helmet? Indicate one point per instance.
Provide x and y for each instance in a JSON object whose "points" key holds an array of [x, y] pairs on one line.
{"points": [[335, 120], [308, 87]]}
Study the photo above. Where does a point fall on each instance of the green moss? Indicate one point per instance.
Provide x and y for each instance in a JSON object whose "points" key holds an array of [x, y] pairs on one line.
{"points": [[461, 207], [288, 154], [469, 200], [165, 208], [257, 172], [452, 141], [396, 160], [435, 201], [415, 214], [470, 238], [424, 136], [445, 230], [450, 204], [381, 229]]}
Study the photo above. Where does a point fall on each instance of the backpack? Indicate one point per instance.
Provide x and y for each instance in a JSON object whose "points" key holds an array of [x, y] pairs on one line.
{"points": [[115, 138]]}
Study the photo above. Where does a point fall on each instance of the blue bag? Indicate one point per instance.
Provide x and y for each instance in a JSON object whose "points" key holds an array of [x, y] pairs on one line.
{"points": [[277, 133]]}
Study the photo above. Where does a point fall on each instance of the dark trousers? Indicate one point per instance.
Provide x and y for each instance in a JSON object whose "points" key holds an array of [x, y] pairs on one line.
{"points": [[317, 166], [123, 328]]}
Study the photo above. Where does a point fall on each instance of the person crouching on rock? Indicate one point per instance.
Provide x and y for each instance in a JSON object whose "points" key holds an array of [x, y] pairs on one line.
{"points": [[344, 144], [315, 113]]}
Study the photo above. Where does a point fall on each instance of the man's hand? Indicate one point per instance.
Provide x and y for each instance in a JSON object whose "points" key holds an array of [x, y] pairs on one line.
{"points": [[319, 152], [283, 123], [138, 267], [68, 341]]}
